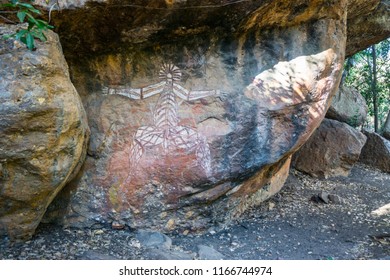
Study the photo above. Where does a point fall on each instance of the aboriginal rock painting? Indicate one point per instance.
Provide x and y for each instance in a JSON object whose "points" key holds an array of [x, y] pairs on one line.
{"points": [[165, 131]]}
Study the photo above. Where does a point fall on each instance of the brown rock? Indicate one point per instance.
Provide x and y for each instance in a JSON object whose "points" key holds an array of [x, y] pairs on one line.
{"points": [[43, 132], [204, 120], [117, 225], [193, 107], [159, 20], [196, 107], [368, 24], [348, 106], [376, 152], [331, 151]]}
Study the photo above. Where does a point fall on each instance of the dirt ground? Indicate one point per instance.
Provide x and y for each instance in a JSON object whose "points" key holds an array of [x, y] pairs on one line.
{"points": [[298, 223]]}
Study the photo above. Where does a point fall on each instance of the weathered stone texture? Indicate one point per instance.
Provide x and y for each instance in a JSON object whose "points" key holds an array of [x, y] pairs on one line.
{"points": [[376, 152], [147, 21], [214, 155], [368, 24], [331, 151], [43, 132], [348, 106]]}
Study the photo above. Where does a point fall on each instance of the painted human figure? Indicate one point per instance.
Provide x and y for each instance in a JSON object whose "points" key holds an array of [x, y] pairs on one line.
{"points": [[165, 130]]}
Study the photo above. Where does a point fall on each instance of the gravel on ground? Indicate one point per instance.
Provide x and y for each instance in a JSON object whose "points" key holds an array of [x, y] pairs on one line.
{"points": [[310, 218]]}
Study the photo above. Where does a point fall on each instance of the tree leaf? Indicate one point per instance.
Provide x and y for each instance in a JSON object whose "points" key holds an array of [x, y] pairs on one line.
{"points": [[25, 13], [31, 19], [39, 34], [31, 25], [23, 40], [41, 24], [25, 5], [7, 5], [21, 34], [30, 41], [30, 8], [21, 16]]}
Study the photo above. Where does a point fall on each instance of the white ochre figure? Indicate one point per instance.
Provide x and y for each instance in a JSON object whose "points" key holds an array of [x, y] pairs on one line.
{"points": [[165, 130]]}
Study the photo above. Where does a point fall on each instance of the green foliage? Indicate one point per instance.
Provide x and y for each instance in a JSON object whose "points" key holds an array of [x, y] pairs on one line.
{"points": [[359, 74], [26, 13]]}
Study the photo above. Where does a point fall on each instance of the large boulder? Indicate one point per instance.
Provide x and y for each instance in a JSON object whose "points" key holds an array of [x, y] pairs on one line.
{"points": [[195, 111], [348, 106], [43, 131], [376, 152], [386, 127], [331, 151]]}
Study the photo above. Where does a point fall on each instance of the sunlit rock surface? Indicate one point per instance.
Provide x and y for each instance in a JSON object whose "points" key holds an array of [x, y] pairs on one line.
{"points": [[43, 131]]}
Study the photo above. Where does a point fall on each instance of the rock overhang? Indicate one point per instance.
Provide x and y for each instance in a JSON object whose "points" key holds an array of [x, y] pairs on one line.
{"points": [[93, 27], [217, 138], [276, 65]]}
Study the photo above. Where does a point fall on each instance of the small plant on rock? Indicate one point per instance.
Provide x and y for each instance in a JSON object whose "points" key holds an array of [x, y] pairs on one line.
{"points": [[26, 12]]}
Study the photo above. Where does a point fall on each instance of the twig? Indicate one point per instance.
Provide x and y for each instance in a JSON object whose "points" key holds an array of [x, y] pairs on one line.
{"points": [[52, 7], [7, 20]]}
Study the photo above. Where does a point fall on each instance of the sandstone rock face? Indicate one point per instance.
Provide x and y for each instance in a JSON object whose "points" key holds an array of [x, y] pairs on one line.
{"points": [[386, 127], [194, 112], [331, 151], [376, 152], [348, 106], [43, 132], [368, 24], [87, 26]]}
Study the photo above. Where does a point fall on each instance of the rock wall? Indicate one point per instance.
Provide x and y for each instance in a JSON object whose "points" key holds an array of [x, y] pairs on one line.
{"points": [[97, 25], [368, 24], [43, 128], [195, 111]]}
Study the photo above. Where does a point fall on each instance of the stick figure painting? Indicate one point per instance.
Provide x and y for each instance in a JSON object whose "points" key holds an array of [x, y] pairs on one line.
{"points": [[165, 132]]}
